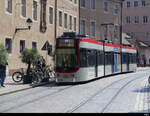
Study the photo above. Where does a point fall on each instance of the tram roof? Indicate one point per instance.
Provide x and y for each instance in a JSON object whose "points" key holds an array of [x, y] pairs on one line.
{"points": [[85, 38]]}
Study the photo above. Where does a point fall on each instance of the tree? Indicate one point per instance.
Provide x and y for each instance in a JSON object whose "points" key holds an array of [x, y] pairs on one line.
{"points": [[30, 57], [3, 55]]}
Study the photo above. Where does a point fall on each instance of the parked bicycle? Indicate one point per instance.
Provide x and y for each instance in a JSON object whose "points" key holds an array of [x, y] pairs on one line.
{"points": [[18, 76], [43, 74], [39, 73]]}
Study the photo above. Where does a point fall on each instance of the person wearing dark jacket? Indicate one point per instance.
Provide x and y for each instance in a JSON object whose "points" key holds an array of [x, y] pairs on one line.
{"points": [[2, 74]]}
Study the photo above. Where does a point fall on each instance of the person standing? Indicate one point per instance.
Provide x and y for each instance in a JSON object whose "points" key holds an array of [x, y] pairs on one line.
{"points": [[3, 64], [2, 74]]}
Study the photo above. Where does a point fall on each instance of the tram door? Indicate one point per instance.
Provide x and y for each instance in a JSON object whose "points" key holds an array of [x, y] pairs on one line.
{"points": [[115, 62], [128, 61]]}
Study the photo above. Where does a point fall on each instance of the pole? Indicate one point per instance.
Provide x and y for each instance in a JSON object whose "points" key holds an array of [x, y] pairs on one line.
{"points": [[55, 26], [121, 24], [79, 16], [121, 4]]}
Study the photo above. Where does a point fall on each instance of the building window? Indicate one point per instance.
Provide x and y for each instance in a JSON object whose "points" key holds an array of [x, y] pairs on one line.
{"points": [[135, 3], [60, 18], [8, 6], [116, 31], [23, 8], [70, 20], [93, 29], [93, 4], [75, 23], [143, 3], [43, 15], [83, 27], [8, 45], [105, 6], [128, 19], [75, 1], [82, 3], [105, 32], [34, 45], [65, 20], [116, 8], [51, 15], [35, 10], [145, 19], [136, 19], [128, 4], [22, 45]]}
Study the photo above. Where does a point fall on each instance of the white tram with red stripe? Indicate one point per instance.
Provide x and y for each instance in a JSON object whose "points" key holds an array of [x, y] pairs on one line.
{"points": [[82, 59]]}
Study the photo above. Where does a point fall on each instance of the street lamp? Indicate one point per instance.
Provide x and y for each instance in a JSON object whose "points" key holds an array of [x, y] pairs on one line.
{"points": [[29, 23]]}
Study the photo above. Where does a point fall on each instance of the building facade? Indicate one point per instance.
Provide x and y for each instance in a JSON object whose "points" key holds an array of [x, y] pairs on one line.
{"points": [[49, 19], [101, 19], [136, 23]]}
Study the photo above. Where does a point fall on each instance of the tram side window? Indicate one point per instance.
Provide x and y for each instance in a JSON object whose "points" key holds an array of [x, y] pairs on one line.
{"points": [[124, 58], [91, 58], [108, 58], [83, 58], [100, 58], [132, 58]]}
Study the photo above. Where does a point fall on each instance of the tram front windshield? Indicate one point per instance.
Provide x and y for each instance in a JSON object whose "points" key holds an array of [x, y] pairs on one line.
{"points": [[66, 59]]}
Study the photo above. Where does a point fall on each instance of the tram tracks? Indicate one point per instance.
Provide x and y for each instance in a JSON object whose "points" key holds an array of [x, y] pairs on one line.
{"points": [[68, 87], [100, 91], [34, 100]]}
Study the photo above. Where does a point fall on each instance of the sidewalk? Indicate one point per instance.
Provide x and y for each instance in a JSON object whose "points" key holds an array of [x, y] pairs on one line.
{"points": [[12, 87]]}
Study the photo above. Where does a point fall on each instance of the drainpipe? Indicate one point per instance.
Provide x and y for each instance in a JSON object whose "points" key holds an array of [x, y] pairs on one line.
{"points": [[79, 17], [55, 25], [121, 3]]}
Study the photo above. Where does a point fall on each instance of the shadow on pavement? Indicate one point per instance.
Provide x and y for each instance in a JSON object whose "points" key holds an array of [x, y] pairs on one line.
{"points": [[143, 90]]}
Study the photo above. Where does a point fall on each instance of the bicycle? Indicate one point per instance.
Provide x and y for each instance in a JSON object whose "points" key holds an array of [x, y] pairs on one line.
{"points": [[49, 72], [37, 76], [18, 76]]}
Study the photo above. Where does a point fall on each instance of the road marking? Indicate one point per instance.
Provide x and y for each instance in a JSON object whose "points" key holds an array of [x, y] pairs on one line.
{"points": [[141, 99]]}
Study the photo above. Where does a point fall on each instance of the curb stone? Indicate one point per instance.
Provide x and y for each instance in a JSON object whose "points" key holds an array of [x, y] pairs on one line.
{"points": [[26, 88]]}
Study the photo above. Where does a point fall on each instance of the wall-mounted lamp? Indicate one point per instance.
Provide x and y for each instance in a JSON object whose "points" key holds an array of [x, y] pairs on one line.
{"points": [[29, 23]]}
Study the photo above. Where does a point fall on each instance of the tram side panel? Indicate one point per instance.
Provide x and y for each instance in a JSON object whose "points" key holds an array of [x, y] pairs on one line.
{"points": [[125, 62], [108, 63], [128, 59], [91, 61], [100, 62], [112, 59], [132, 62], [116, 60], [108, 60]]}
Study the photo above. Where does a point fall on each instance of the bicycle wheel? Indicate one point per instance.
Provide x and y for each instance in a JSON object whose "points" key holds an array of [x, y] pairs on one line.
{"points": [[36, 77], [17, 77]]}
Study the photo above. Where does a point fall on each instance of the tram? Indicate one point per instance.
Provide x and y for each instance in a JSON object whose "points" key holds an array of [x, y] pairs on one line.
{"points": [[82, 59]]}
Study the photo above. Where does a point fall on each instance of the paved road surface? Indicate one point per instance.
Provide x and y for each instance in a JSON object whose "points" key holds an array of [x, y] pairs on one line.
{"points": [[126, 93]]}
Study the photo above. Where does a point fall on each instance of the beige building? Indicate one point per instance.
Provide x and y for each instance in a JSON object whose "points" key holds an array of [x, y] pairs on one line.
{"points": [[46, 25], [101, 19], [136, 23]]}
